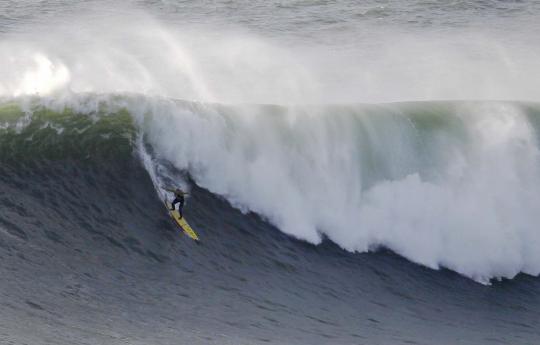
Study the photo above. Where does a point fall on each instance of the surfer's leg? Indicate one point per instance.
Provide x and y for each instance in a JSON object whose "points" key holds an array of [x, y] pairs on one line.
{"points": [[173, 203], [181, 208]]}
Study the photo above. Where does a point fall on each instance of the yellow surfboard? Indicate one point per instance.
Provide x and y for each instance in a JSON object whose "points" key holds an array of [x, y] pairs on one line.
{"points": [[182, 222]]}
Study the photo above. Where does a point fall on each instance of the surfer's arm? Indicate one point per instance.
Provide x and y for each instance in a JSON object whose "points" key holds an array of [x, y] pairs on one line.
{"points": [[168, 189]]}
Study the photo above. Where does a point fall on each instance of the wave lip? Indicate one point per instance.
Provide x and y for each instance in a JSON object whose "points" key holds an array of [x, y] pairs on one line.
{"points": [[34, 131]]}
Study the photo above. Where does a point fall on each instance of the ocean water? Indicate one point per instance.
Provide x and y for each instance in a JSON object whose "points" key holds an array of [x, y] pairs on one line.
{"points": [[360, 173]]}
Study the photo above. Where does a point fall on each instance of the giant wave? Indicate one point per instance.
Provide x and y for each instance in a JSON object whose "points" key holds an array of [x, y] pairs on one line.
{"points": [[445, 184]]}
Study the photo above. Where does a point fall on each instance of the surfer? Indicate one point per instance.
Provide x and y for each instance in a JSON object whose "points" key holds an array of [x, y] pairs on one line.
{"points": [[178, 199]]}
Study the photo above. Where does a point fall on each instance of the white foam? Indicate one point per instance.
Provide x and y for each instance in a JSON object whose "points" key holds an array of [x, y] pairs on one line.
{"points": [[303, 171]]}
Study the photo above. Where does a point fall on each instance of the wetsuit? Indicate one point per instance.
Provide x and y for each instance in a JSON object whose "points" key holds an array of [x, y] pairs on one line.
{"points": [[179, 199]]}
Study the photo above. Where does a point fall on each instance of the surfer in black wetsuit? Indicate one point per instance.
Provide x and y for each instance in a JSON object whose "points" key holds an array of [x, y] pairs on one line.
{"points": [[178, 199]]}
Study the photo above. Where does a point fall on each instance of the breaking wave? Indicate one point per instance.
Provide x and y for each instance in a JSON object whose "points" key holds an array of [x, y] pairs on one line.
{"points": [[444, 184]]}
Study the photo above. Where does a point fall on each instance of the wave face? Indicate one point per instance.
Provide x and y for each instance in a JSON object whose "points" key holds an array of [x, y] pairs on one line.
{"points": [[84, 234]]}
